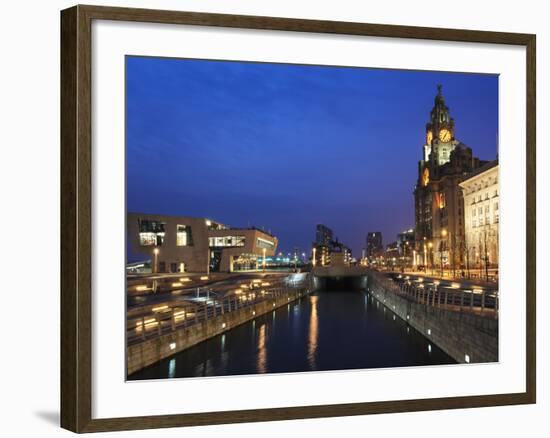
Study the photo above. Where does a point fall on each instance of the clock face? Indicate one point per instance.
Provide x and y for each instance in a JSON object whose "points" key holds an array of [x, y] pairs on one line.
{"points": [[445, 135], [429, 137], [426, 177]]}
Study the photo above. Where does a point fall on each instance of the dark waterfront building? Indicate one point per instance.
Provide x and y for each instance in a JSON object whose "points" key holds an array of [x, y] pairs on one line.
{"points": [[374, 243], [439, 203]]}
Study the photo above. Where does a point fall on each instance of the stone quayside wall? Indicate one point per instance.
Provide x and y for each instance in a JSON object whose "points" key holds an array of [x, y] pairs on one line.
{"points": [[466, 337], [153, 350]]}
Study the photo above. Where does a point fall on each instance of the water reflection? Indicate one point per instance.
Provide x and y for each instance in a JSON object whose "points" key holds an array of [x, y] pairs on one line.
{"points": [[313, 332], [172, 368], [324, 331], [262, 351]]}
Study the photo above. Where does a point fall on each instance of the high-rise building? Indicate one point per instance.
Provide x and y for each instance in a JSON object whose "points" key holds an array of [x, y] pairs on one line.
{"points": [[405, 242], [323, 235], [439, 204], [374, 243]]}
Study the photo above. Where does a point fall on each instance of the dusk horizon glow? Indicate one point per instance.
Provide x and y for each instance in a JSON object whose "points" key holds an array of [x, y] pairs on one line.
{"points": [[285, 147]]}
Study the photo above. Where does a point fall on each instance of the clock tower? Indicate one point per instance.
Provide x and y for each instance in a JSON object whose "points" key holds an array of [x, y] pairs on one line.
{"points": [[440, 133], [439, 206]]}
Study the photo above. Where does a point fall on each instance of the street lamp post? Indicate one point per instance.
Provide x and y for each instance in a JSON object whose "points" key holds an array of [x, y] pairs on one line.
{"points": [[486, 255], [425, 257], [405, 260], [443, 234], [313, 261], [430, 257], [451, 253]]}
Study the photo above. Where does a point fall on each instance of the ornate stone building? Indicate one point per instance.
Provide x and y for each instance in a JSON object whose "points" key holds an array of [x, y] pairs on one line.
{"points": [[439, 204], [482, 217]]}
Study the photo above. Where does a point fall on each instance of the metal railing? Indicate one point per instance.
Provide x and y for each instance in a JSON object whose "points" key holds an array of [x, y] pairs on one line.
{"points": [[474, 300], [165, 318]]}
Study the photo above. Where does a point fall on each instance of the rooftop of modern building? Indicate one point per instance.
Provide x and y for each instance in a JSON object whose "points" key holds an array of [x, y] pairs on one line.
{"points": [[215, 225]]}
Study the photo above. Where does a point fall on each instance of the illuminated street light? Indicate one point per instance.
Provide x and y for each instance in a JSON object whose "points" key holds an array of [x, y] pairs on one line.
{"points": [[313, 261], [444, 235], [430, 257], [425, 257]]}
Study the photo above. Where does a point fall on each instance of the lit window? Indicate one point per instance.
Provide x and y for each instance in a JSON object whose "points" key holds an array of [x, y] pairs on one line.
{"points": [[183, 235], [147, 239], [151, 233], [226, 241], [263, 243]]}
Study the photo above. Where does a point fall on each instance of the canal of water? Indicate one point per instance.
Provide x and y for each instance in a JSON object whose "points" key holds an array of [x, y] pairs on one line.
{"points": [[323, 331]]}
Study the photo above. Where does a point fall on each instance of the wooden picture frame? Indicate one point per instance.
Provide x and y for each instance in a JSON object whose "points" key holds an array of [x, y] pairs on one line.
{"points": [[76, 218]]}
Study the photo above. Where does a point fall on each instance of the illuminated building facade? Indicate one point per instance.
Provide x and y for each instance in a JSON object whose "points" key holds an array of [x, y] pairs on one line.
{"points": [[374, 243], [188, 244], [392, 255], [481, 208], [439, 203], [321, 254], [326, 248], [405, 246]]}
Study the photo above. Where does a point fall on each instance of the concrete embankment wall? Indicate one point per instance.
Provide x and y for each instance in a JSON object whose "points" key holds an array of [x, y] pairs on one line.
{"points": [[461, 335], [153, 350]]}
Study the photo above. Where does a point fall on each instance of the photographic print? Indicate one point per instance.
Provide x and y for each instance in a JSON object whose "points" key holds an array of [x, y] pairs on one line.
{"points": [[287, 218]]}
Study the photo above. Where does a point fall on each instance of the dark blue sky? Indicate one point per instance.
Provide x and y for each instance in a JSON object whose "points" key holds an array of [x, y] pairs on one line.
{"points": [[285, 147]]}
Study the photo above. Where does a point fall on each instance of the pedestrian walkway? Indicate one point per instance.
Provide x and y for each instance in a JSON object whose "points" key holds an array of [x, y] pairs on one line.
{"points": [[436, 275]]}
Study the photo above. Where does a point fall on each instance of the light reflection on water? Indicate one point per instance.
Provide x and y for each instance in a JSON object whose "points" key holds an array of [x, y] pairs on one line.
{"points": [[323, 331], [313, 332], [262, 350], [172, 368]]}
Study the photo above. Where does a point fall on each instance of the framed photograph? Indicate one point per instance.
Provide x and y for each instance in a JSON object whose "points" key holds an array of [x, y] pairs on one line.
{"points": [[270, 218]]}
